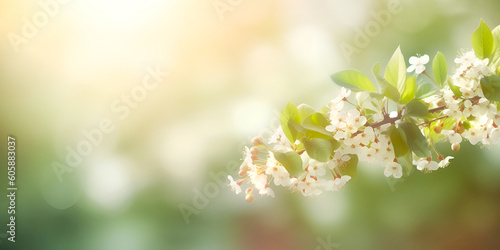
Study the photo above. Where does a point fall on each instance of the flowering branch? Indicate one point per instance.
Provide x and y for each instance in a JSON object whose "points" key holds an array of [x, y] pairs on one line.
{"points": [[453, 108]]}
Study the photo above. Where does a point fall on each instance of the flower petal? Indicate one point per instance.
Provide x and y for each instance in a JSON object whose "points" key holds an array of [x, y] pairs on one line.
{"points": [[424, 59], [413, 60], [411, 68]]}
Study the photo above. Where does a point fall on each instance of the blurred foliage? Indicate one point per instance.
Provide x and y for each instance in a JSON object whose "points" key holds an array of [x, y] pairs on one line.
{"points": [[227, 78]]}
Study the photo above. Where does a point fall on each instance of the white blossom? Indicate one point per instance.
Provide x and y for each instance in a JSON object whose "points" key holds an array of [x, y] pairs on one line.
{"points": [[337, 184], [418, 64], [234, 186], [426, 165], [316, 168], [474, 135], [453, 136], [445, 162], [393, 169]]}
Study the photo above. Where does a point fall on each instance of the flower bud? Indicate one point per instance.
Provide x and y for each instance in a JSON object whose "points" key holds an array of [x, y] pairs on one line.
{"points": [[239, 182], [249, 198], [242, 173], [460, 128], [438, 129], [249, 191], [256, 141], [455, 146], [244, 167], [254, 151]]}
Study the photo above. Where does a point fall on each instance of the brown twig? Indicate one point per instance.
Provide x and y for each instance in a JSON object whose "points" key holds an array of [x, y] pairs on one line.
{"points": [[388, 119]]}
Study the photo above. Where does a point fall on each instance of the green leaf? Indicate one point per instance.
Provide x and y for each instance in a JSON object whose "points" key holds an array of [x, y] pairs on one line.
{"points": [[466, 124], [407, 163], [425, 90], [314, 126], [395, 72], [335, 145], [354, 80], [417, 108], [315, 121], [440, 68], [376, 70], [445, 124], [289, 119], [324, 110], [455, 89], [291, 161], [377, 96], [491, 87], [482, 41], [410, 90], [318, 149], [305, 110], [495, 55], [398, 140], [416, 140], [351, 167], [388, 90]]}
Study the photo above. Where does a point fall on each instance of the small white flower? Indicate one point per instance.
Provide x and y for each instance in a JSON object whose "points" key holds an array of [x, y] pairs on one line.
{"points": [[417, 64], [309, 187], [340, 159], [425, 165], [247, 156], [452, 136], [339, 135], [267, 191], [355, 118], [279, 140], [445, 162], [258, 180], [316, 168], [494, 135], [279, 173], [474, 135], [368, 155], [466, 59], [344, 93], [453, 111], [470, 109], [234, 186], [337, 184], [393, 169], [496, 118], [335, 108]]}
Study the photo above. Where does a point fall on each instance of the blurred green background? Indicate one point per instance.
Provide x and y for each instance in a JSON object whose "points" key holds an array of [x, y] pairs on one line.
{"points": [[229, 75]]}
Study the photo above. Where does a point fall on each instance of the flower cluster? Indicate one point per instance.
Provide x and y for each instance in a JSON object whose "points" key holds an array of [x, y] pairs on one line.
{"points": [[312, 152], [261, 168], [476, 118]]}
